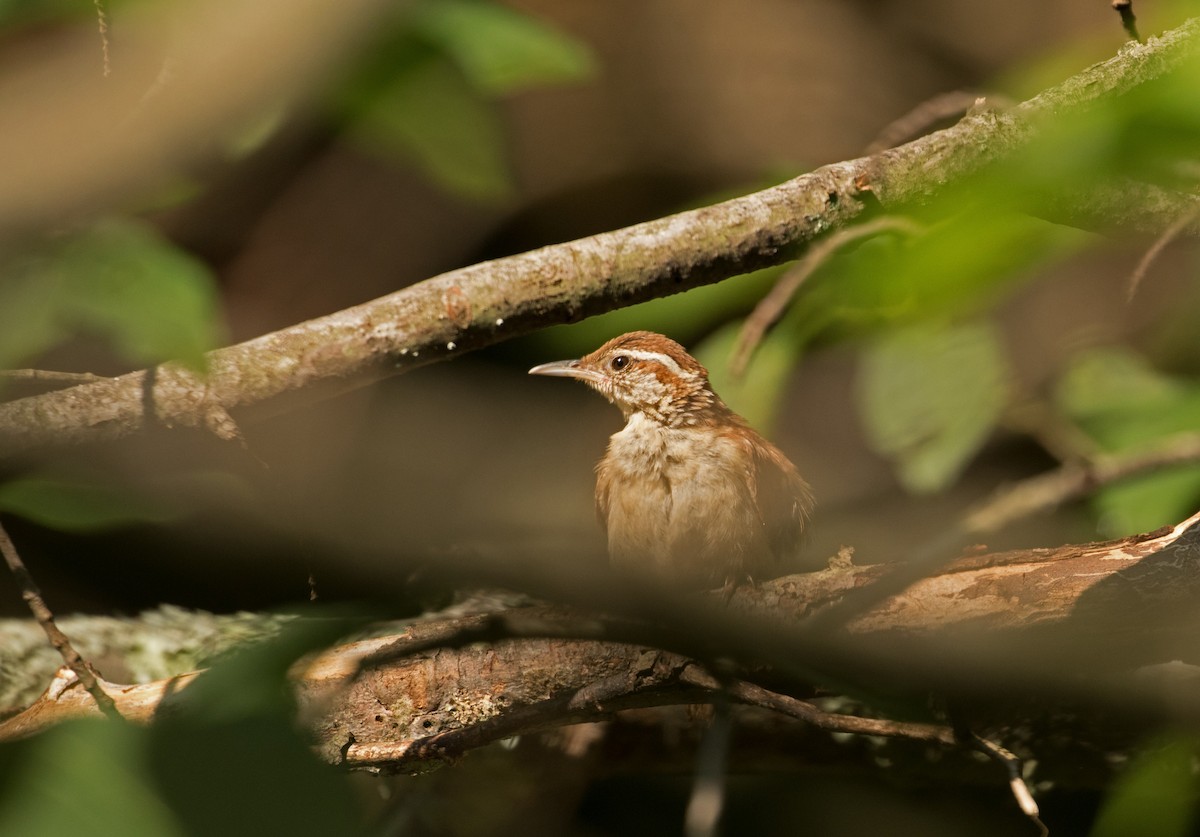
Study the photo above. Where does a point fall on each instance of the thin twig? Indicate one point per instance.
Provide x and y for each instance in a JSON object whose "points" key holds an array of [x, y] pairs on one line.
{"points": [[88, 676], [746, 692], [1057, 435], [927, 115], [1125, 9], [102, 21], [51, 377], [1041, 493], [1072, 481], [931, 733], [1016, 782], [1170, 234], [771, 307]]}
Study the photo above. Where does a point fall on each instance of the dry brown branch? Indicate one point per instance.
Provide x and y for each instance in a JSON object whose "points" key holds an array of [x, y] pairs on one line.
{"points": [[771, 307], [1155, 250], [1016, 781], [32, 596], [485, 303]]}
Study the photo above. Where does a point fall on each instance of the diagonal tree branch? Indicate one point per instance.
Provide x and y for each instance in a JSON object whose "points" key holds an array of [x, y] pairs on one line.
{"points": [[485, 303]]}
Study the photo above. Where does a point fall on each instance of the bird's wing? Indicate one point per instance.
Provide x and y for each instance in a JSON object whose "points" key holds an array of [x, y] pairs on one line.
{"points": [[603, 482], [783, 498]]}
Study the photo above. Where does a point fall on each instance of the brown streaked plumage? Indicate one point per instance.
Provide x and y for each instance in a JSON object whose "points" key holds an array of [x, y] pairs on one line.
{"points": [[688, 492]]}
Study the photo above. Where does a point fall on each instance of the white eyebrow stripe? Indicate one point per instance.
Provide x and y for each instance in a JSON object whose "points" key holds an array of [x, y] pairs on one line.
{"points": [[665, 359]]}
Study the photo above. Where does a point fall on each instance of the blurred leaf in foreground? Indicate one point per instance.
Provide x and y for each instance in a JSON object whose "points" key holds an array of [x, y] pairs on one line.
{"points": [[1156, 796], [88, 775]]}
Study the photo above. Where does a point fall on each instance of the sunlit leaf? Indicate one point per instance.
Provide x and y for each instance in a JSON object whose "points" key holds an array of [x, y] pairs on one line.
{"points": [[929, 397], [1142, 504], [1155, 797], [1112, 379], [502, 50]]}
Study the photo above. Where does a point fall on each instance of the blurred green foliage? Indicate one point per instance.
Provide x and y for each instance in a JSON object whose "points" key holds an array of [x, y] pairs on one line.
{"points": [[426, 91], [501, 50], [1157, 794], [83, 772], [931, 396], [73, 503], [1126, 405], [224, 757], [117, 279]]}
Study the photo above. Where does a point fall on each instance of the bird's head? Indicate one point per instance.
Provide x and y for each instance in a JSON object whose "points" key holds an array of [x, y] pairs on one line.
{"points": [[644, 372]]}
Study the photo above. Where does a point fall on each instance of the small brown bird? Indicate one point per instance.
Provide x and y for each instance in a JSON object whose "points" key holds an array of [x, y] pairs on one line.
{"points": [[688, 492]]}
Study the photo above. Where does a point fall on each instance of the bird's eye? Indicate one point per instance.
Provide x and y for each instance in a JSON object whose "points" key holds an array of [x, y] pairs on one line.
{"points": [[619, 362]]}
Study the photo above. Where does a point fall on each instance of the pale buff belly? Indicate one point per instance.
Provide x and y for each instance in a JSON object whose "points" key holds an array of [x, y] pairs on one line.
{"points": [[680, 509]]}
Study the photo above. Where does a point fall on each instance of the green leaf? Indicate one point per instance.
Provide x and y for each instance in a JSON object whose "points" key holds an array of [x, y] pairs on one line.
{"points": [[78, 506], [154, 301], [92, 772], [929, 397], [960, 265], [1155, 797], [501, 50], [758, 395], [429, 113], [1142, 504], [1126, 405], [1112, 379]]}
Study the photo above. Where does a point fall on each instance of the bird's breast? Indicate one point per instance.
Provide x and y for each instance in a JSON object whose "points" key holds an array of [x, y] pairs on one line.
{"points": [[677, 501]]}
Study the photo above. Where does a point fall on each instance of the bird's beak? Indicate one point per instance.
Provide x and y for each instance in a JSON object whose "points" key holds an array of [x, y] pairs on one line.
{"points": [[566, 369]]}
